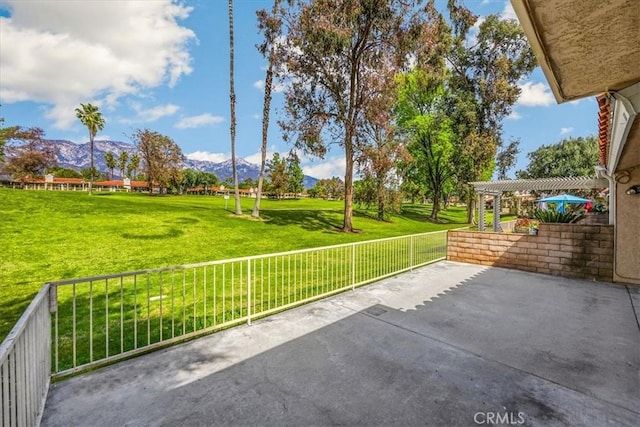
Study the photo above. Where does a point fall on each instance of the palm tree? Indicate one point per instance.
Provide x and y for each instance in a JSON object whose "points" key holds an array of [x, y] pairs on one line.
{"points": [[111, 162], [92, 118], [232, 102], [122, 162], [134, 164], [271, 29]]}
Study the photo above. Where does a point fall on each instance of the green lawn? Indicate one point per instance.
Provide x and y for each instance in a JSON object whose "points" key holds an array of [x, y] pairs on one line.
{"points": [[48, 236]]}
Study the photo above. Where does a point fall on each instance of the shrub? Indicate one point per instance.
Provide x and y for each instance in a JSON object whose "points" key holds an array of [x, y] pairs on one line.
{"points": [[555, 216]]}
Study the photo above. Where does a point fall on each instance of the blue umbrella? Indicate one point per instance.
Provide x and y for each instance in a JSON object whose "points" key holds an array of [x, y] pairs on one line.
{"points": [[564, 198]]}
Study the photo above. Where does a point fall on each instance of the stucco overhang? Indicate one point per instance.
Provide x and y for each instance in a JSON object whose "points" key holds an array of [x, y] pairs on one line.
{"points": [[585, 47]]}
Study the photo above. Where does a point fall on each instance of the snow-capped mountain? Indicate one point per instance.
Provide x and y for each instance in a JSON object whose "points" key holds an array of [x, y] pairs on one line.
{"points": [[77, 156]]}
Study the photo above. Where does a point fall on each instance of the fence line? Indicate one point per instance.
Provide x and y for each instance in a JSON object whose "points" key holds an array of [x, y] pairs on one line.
{"points": [[102, 319], [25, 365]]}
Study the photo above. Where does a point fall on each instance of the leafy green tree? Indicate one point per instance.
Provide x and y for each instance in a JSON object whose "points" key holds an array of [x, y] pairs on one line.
{"points": [[92, 174], [247, 184], [123, 159], [328, 188], [278, 175], [338, 56], [294, 174], [90, 116], [111, 161], [422, 114], [162, 158], [484, 75], [313, 192], [61, 172], [569, 157], [270, 25]]}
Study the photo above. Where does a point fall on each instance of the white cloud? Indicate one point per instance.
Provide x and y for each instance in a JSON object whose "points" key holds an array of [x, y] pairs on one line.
{"points": [[535, 94], [256, 116], [334, 166], [256, 158], [200, 120], [514, 115], [205, 155], [508, 12], [565, 131], [151, 114], [64, 53]]}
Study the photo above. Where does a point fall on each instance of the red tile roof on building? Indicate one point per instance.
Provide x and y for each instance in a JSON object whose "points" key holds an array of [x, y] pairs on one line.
{"points": [[119, 183], [604, 120]]}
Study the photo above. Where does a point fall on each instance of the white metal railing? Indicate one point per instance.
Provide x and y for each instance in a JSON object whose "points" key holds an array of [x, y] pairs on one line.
{"points": [[25, 365], [101, 319]]}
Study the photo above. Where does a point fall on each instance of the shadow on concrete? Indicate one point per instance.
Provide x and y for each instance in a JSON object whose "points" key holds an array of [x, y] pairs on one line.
{"points": [[448, 344]]}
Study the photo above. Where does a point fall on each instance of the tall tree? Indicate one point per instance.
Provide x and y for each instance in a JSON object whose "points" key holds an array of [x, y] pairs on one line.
{"points": [[382, 150], [270, 25], [569, 157], [91, 117], [278, 175], [485, 71], [232, 104], [422, 105], [162, 158], [338, 56], [110, 160], [123, 158], [295, 175], [133, 166], [328, 188]]}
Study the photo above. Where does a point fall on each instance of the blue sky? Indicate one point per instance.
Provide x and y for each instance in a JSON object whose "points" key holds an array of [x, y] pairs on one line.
{"points": [[164, 65]]}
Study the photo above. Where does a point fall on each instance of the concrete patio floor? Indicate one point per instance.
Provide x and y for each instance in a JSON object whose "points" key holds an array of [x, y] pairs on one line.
{"points": [[447, 344]]}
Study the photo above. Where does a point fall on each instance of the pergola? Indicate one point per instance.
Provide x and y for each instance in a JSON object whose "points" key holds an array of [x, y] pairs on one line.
{"points": [[496, 188]]}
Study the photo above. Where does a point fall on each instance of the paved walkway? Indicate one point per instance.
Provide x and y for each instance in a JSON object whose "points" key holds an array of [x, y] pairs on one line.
{"points": [[448, 344]]}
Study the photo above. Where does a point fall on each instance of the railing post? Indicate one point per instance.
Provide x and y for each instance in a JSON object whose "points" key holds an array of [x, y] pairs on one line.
{"points": [[249, 291], [353, 267], [411, 252], [53, 298]]}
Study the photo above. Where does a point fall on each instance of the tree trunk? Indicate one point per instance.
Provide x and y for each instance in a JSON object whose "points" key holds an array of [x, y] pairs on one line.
{"points": [[380, 191], [348, 187], [91, 163], [471, 208], [232, 102], [436, 204]]}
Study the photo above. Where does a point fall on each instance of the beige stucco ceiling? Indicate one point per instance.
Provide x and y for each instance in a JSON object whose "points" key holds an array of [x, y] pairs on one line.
{"points": [[585, 47]]}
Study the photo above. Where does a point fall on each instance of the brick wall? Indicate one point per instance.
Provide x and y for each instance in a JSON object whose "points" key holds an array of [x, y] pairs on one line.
{"points": [[583, 251]]}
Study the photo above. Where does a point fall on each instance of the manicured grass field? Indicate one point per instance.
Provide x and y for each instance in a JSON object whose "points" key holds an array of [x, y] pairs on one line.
{"points": [[48, 236]]}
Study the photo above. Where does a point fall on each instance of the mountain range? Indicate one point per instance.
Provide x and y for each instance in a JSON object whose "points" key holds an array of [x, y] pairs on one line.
{"points": [[77, 156]]}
